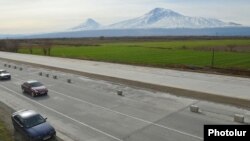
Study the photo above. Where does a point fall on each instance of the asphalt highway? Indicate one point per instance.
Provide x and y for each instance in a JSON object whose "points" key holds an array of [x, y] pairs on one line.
{"points": [[90, 109], [218, 87]]}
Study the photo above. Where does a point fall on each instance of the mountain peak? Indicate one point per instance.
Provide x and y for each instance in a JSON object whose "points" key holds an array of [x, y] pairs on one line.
{"points": [[160, 10], [89, 24], [158, 14], [163, 12], [91, 21]]}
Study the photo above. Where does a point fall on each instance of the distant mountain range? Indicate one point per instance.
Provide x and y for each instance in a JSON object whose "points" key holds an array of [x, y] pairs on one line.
{"points": [[157, 22], [158, 18]]}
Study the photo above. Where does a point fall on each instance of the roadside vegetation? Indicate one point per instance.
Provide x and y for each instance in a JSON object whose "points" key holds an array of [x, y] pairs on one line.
{"points": [[5, 135], [6, 130], [166, 52]]}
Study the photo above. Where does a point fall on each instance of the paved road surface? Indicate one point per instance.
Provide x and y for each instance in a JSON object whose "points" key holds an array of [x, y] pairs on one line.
{"points": [[90, 109], [228, 86]]}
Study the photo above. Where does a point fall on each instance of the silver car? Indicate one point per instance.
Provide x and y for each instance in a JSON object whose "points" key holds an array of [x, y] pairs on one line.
{"points": [[4, 75]]}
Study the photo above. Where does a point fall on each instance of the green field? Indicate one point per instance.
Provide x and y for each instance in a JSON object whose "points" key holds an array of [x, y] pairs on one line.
{"points": [[234, 53], [4, 134]]}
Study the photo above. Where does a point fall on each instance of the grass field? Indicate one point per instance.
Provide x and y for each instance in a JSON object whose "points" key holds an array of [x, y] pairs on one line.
{"points": [[233, 53], [4, 134]]}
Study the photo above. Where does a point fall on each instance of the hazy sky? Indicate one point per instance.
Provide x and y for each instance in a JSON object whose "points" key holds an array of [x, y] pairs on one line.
{"points": [[34, 16]]}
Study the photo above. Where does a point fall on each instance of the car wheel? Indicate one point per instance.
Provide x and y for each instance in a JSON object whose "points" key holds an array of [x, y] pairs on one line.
{"points": [[23, 90], [33, 94], [54, 137]]}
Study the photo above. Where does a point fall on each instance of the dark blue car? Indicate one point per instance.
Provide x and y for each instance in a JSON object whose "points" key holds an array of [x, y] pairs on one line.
{"points": [[32, 125]]}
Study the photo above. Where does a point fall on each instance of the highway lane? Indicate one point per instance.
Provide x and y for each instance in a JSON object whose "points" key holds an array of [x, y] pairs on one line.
{"points": [[203, 84], [18, 84], [96, 112]]}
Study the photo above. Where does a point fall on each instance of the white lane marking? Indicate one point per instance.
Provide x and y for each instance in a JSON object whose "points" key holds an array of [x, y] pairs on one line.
{"points": [[17, 83], [139, 119], [82, 123], [145, 121], [22, 81]]}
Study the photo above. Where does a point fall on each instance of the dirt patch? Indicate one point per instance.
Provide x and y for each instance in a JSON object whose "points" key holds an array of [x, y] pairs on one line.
{"points": [[212, 70], [5, 116], [229, 48], [160, 48]]}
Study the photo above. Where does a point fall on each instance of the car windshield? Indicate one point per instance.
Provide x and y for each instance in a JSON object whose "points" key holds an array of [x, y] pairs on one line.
{"points": [[33, 121], [3, 72], [36, 84]]}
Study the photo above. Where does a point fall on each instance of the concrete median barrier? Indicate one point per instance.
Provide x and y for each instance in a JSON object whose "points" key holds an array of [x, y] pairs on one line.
{"points": [[239, 118], [232, 100], [194, 109], [120, 93], [69, 80], [55, 77]]}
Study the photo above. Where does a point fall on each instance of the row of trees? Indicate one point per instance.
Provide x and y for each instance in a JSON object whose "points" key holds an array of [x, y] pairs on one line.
{"points": [[14, 45], [9, 45]]}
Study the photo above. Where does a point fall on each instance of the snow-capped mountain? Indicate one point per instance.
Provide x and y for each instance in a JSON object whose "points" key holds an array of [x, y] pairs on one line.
{"points": [[165, 18], [159, 18], [89, 24]]}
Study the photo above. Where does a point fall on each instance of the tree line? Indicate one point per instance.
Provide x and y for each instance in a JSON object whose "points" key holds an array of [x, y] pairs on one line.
{"points": [[10, 45]]}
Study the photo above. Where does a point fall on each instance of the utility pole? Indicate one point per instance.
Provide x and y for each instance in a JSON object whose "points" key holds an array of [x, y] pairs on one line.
{"points": [[212, 60]]}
